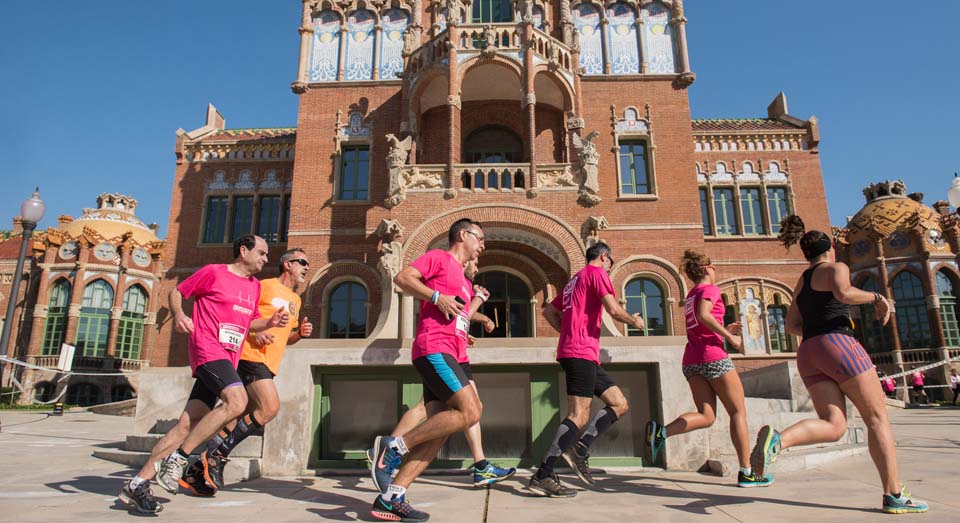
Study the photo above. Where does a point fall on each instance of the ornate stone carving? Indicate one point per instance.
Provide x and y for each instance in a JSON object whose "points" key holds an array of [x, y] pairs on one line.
{"points": [[685, 79], [454, 12], [526, 9], [590, 230], [391, 248], [410, 42], [299, 87], [489, 42], [553, 56], [883, 189], [454, 100], [587, 160], [529, 99], [396, 159], [557, 177], [574, 123], [449, 194]]}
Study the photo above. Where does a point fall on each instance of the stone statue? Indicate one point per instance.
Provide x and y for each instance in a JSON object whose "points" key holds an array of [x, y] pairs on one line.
{"points": [[410, 43], [590, 230], [489, 41], [587, 160], [396, 159], [527, 11], [553, 56], [391, 248], [454, 12]]}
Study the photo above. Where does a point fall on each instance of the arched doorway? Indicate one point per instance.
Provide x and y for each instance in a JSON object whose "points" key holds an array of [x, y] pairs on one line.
{"points": [[492, 144]]}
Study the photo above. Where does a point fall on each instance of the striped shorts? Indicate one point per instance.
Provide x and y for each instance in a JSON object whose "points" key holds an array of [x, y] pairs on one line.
{"points": [[831, 357], [710, 370]]}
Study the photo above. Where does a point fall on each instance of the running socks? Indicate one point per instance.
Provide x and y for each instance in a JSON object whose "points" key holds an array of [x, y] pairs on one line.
{"points": [[565, 438], [746, 471], [394, 492], [480, 465], [180, 453], [137, 481], [398, 445], [246, 426], [601, 421]]}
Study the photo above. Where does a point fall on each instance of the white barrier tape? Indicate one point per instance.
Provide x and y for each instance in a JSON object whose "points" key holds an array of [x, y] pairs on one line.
{"points": [[921, 369], [58, 371]]}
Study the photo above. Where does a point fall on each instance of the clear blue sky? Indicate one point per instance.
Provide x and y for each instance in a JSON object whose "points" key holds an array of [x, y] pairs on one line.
{"points": [[92, 93]]}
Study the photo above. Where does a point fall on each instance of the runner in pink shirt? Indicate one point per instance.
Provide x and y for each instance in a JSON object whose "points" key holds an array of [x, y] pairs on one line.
{"points": [[709, 370], [439, 355], [576, 313], [224, 309]]}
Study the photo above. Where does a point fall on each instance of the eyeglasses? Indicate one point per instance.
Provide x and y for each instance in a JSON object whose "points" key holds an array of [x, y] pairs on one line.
{"points": [[475, 235], [301, 261]]}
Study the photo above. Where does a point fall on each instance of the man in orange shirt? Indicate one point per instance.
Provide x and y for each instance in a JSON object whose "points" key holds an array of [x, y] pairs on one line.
{"points": [[259, 363]]}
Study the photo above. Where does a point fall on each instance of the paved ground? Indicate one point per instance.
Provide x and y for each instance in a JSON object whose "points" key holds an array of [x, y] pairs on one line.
{"points": [[47, 474]]}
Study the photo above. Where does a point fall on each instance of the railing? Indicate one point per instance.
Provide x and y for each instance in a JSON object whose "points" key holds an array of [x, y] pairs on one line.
{"points": [[92, 363], [490, 38], [920, 355], [493, 176]]}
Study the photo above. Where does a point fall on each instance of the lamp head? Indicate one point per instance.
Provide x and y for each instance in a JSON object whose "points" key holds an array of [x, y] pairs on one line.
{"points": [[31, 210]]}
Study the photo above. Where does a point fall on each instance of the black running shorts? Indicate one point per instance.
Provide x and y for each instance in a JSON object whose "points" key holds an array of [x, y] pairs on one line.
{"points": [[442, 376], [251, 371], [585, 378], [212, 378]]}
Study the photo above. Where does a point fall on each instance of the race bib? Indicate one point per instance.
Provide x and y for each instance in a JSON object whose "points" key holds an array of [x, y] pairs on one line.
{"points": [[463, 325], [231, 336]]}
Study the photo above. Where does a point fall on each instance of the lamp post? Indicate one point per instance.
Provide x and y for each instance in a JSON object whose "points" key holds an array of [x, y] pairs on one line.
{"points": [[31, 212]]}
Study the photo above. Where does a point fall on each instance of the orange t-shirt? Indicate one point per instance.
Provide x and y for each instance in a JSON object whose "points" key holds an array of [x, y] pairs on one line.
{"points": [[273, 297]]}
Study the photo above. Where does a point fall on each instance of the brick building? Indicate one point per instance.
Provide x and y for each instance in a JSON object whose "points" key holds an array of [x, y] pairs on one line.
{"points": [[556, 124]]}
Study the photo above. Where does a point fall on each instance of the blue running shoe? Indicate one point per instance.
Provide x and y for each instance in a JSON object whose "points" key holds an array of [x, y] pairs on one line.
{"points": [[656, 438], [753, 480], [903, 504], [387, 460], [766, 450], [396, 510], [491, 474]]}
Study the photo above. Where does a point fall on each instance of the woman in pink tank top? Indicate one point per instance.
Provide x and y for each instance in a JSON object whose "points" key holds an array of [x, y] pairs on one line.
{"points": [[709, 370]]}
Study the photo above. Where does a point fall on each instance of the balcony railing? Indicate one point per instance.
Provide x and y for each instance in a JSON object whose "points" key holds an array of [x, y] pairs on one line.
{"points": [[491, 38], [95, 363], [493, 176]]}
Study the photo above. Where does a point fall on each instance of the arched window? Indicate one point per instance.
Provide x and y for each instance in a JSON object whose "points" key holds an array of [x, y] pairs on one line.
{"points": [[872, 334], [130, 335], [347, 311], [912, 320], [491, 11], [586, 19], [93, 327], [658, 47], [83, 394], [359, 35], [948, 309], [43, 391], [55, 328], [509, 306], [492, 144], [622, 39], [395, 22], [643, 295], [122, 393], [780, 341]]}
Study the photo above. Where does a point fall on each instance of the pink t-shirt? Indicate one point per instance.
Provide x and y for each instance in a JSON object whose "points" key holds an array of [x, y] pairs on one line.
{"points": [[223, 307], [917, 379], [435, 333], [703, 345], [582, 305], [888, 384]]}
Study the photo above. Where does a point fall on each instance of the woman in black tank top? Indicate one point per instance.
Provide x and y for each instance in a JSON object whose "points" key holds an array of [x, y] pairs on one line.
{"points": [[833, 365]]}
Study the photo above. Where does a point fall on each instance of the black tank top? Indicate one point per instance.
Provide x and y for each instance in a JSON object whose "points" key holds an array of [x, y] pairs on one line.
{"points": [[821, 312]]}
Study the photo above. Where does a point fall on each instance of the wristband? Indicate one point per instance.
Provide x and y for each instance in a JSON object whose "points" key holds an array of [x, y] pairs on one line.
{"points": [[435, 297]]}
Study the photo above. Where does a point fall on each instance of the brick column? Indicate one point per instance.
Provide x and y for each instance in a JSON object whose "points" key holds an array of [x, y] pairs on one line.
{"points": [[454, 108]]}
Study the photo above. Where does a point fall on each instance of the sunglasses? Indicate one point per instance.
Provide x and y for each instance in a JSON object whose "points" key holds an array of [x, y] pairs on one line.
{"points": [[301, 261]]}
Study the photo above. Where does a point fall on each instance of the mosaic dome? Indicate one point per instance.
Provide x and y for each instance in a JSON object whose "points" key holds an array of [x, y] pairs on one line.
{"points": [[891, 214], [113, 217]]}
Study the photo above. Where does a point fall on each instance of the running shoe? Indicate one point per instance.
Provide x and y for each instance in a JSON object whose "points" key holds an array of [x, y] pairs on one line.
{"points": [[141, 498], [396, 510], [656, 438], [550, 487], [752, 480], [387, 460], [213, 464], [766, 450], [903, 504], [491, 474], [169, 472], [194, 481], [579, 465]]}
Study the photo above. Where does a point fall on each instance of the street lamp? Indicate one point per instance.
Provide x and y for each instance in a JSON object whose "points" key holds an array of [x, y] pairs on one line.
{"points": [[953, 194], [31, 212]]}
